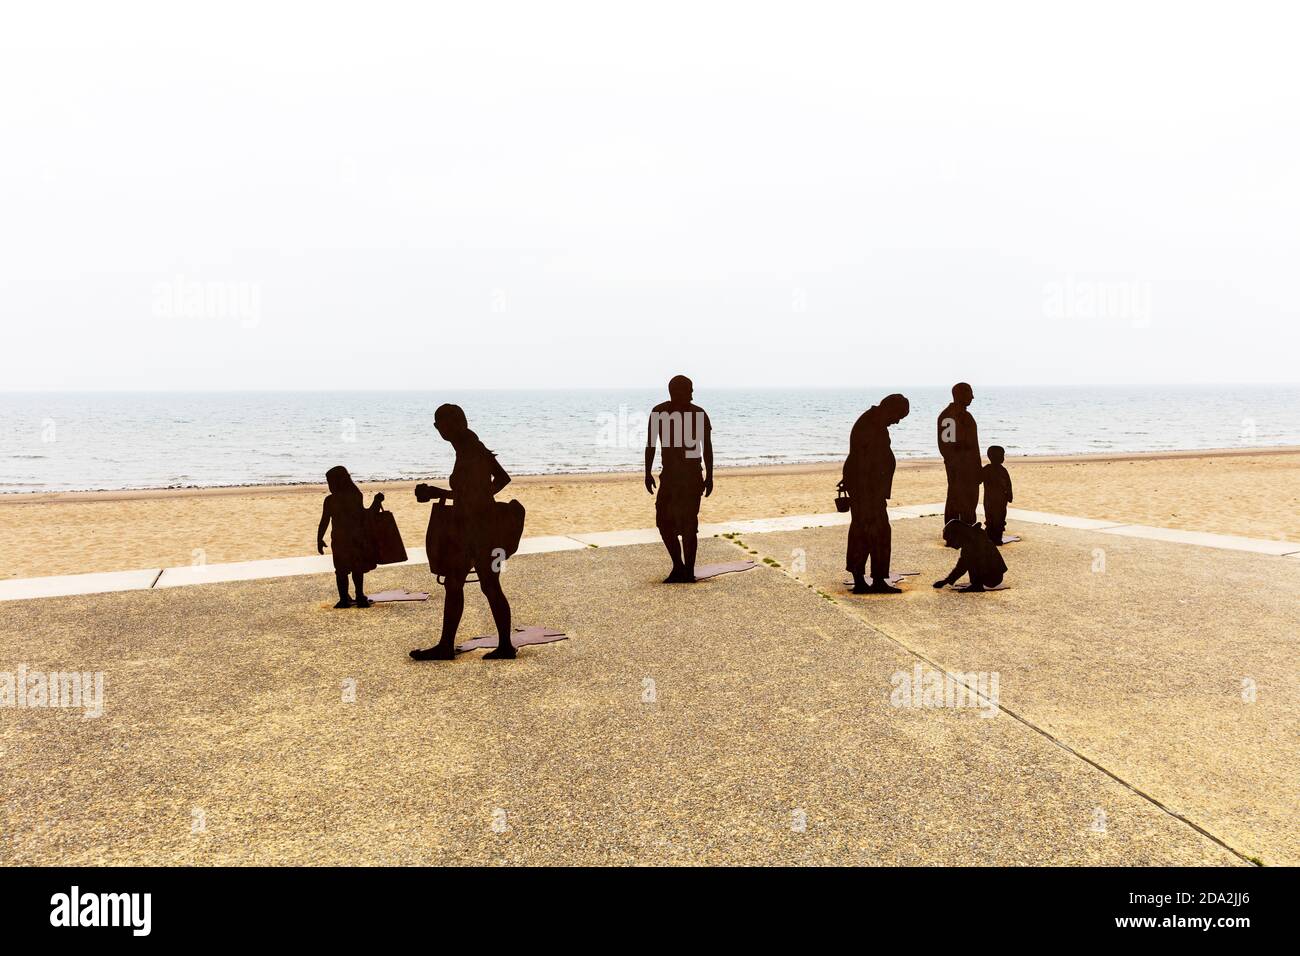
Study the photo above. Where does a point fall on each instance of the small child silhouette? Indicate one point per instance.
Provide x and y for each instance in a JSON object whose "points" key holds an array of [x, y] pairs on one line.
{"points": [[349, 542], [997, 494], [978, 557]]}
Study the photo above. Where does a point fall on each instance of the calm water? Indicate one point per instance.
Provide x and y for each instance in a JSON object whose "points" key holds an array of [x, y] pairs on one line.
{"points": [[61, 442]]}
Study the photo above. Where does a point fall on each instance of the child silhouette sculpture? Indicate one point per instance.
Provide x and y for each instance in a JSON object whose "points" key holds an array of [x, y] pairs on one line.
{"points": [[997, 494], [349, 544], [978, 557]]}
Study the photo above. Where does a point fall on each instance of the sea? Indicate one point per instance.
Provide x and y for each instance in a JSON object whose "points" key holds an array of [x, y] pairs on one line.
{"points": [[73, 441]]}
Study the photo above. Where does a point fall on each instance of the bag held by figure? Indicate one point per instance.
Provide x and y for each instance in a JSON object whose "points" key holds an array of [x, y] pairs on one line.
{"points": [[385, 539], [842, 502], [444, 541], [507, 525], [442, 544]]}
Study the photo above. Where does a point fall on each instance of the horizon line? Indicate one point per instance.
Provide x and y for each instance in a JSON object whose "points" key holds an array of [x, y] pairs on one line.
{"points": [[624, 387]]}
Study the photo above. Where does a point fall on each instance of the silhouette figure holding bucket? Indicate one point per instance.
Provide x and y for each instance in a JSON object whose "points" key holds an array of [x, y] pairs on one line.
{"points": [[474, 538], [350, 544], [869, 481], [684, 432], [959, 446]]}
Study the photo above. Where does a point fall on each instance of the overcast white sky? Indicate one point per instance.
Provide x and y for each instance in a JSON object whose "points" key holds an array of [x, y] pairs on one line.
{"points": [[462, 194]]}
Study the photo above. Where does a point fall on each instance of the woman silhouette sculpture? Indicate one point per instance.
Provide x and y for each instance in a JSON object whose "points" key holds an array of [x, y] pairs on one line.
{"points": [[475, 479]]}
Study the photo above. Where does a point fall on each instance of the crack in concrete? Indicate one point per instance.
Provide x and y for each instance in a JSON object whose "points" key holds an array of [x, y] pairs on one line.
{"points": [[1020, 718]]}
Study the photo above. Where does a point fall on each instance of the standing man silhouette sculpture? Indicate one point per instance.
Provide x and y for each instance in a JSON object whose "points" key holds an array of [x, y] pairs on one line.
{"points": [[869, 480], [684, 432], [959, 447]]}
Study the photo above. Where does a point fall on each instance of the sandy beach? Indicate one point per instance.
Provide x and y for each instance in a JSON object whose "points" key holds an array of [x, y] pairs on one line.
{"points": [[1251, 492]]}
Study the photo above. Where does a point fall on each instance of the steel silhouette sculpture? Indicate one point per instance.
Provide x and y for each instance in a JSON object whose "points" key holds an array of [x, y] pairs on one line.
{"points": [[959, 446], [979, 557], [344, 514], [997, 494], [868, 478], [684, 433], [473, 536]]}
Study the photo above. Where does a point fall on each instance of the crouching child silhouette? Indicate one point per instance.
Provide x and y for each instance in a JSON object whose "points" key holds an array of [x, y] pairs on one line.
{"points": [[350, 546], [979, 557], [997, 494]]}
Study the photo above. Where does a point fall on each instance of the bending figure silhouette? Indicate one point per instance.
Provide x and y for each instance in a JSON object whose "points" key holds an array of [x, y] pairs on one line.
{"points": [[869, 481]]}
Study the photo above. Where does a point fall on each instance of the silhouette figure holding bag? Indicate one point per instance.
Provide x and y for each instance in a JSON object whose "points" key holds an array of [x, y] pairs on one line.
{"points": [[959, 446], [474, 533], [685, 433], [869, 481], [997, 494], [979, 557], [350, 542]]}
